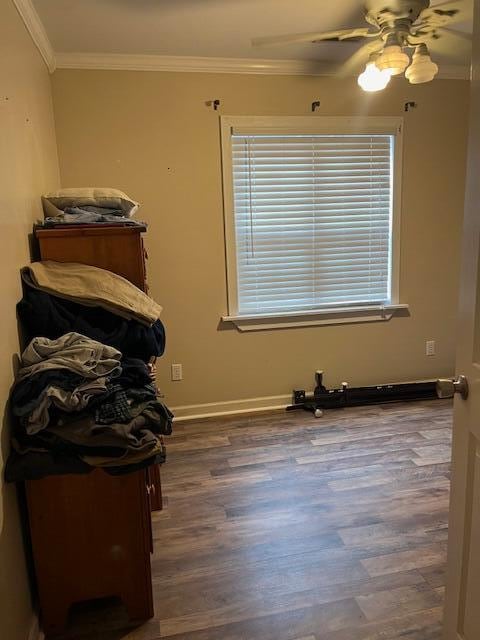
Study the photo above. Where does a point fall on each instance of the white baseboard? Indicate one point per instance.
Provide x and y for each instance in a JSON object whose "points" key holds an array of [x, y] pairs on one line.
{"points": [[230, 407], [34, 632]]}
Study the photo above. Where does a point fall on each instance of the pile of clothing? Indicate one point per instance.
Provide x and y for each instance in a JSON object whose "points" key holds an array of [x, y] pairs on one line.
{"points": [[89, 206], [82, 402], [63, 297]]}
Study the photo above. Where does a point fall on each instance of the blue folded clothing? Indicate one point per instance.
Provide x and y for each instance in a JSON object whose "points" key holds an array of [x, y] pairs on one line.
{"points": [[89, 214]]}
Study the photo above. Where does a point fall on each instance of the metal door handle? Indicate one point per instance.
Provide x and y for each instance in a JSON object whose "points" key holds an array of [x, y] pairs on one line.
{"points": [[446, 388]]}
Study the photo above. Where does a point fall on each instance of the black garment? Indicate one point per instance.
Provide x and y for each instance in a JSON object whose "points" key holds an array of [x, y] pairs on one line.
{"points": [[141, 395], [35, 465], [135, 373], [48, 441], [43, 314], [26, 394], [99, 210]]}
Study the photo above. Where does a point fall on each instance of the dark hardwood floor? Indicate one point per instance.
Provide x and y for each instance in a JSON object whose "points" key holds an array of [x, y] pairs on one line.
{"points": [[284, 527]]}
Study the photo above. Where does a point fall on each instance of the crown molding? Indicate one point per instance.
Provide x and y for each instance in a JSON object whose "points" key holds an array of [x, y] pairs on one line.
{"points": [[262, 66], [37, 31], [140, 62]]}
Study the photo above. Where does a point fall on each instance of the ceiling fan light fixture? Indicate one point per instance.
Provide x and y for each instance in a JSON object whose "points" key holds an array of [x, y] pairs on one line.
{"points": [[422, 69], [372, 79], [393, 59]]}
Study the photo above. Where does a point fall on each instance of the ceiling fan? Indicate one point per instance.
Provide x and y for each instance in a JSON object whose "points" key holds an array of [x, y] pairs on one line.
{"points": [[395, 25]]}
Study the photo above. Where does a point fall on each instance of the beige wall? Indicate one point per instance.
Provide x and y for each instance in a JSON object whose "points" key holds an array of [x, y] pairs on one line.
{"points": [[28, 165], [150, 134]]}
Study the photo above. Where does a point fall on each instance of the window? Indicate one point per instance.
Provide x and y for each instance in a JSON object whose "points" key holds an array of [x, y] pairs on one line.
{"points": [[311, 213]]}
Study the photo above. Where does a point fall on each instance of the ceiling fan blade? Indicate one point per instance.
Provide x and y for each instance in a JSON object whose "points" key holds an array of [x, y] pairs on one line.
{"points": [[439, 33], [465, 37], [359, 58], [434, 20], [349, 34], [445, 47], [315, 36], [446, 13], [445, 5]]}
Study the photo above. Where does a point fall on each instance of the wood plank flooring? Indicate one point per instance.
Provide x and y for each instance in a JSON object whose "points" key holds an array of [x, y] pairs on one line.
{"points": [[284, 527]]}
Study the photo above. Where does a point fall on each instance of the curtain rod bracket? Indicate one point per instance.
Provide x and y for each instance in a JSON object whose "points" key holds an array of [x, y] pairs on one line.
{"points": [[213, 103]]}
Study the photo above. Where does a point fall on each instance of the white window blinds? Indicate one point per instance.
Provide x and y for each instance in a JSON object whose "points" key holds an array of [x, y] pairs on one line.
{"points": [[313, 220]]}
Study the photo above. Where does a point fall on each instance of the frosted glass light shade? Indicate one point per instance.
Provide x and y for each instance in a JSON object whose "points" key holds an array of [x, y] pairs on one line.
{"points": [[393, 59], [422, 68], [372, 79]]}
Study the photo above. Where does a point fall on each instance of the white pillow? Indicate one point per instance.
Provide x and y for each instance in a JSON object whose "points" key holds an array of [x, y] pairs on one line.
{"points": [[92, 196]]}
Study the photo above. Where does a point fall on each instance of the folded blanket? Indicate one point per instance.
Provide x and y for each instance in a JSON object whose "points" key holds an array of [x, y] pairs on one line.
{"points": [[92, 286]]}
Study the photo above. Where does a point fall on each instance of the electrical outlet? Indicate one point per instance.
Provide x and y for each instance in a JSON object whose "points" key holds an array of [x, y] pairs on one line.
{"points": [[430, 348], [177, 372]]}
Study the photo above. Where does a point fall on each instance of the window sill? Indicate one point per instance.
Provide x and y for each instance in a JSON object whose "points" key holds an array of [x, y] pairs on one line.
{"points": [[346, 315]]}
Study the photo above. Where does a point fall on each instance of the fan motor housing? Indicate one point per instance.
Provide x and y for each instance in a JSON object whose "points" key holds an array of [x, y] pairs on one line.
{"points": [[386, 13]]}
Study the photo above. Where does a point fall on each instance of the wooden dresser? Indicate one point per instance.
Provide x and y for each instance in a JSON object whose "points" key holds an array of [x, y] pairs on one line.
{"points": [[117, 249], [91, 534]]}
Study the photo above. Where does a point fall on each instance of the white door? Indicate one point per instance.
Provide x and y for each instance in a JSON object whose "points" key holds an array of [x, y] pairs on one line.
{"points": [[462, 609]]}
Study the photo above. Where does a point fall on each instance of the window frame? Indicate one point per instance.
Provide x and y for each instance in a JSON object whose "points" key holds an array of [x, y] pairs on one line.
{"points": [[344, 125]]}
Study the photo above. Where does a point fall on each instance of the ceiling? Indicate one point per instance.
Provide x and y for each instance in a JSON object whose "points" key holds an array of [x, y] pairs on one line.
{"points": [[216, 28]]}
